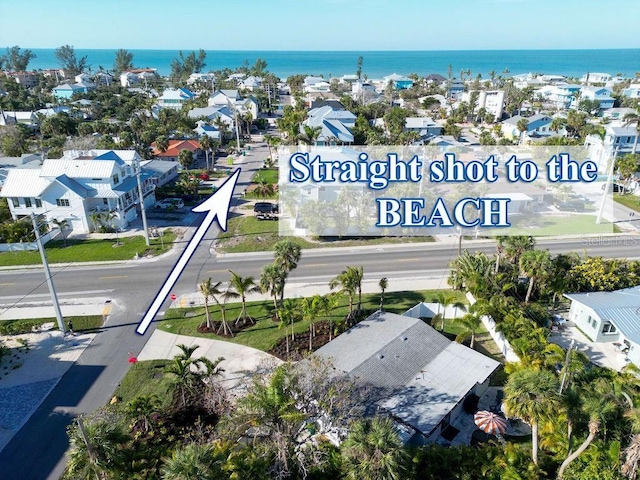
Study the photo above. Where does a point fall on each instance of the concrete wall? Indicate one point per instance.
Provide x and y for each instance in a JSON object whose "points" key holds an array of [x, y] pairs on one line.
{"points": [[498, 337]]}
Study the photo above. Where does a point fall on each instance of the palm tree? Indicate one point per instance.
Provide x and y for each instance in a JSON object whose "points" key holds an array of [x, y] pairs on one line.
{"points": [[500, 240], [162, 143], [141, 410], [95, 448], [447, 300], [264, 189], [272, 141], [597, 408], [272, 282], [531, 395], [185, 158], [193, 462], [536, 264], [309, 135], [96, 220], [207, 143], [373, 451], [471, 323], [215, 292], [287, 255], [383, 283], [187, 379], [348, 280], [516, 245], [63, 225], [632, 451], [206, 290], [522, 125], [241, 287]]}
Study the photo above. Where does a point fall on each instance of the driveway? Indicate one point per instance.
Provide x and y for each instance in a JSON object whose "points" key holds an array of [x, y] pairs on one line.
{"points": [[239, 361]]}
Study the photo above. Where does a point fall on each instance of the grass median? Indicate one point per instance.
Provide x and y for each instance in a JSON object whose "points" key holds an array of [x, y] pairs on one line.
{"points": [[629, 201], [248, 234], [91, 250]]}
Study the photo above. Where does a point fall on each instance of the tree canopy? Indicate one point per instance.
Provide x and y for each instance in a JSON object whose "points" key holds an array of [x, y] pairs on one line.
{"points": [[69, 62]]}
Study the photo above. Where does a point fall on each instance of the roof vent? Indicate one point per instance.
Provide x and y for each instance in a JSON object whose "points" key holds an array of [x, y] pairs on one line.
{"points": [[380, 356], [404, 339]]}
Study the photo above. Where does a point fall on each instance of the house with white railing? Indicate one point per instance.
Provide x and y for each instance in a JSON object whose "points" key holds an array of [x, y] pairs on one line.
{"points": [[78, 185]]}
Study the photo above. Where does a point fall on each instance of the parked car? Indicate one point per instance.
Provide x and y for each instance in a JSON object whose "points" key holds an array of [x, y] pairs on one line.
{"points": [[265, 207], [616, 187], [170, 203]]}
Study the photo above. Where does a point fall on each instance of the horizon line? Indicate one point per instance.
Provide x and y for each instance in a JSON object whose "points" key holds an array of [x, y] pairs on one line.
{"points": [[335, 50]]}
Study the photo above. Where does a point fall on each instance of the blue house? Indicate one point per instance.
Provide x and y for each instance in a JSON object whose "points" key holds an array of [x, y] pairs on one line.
{"points": [[399, 82], [66, 90]]}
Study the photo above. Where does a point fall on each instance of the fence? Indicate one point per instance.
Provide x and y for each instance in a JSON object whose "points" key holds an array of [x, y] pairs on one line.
{"points": [[498, 337], [29, 246]]}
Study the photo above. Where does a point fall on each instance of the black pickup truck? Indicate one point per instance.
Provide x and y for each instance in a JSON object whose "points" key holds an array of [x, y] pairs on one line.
{"points": [[265, 207]]}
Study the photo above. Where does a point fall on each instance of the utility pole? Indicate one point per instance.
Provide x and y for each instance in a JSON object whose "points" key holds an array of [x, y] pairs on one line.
{"points": [[47, 272], [235, 120], [606, 186], [142, 208]]}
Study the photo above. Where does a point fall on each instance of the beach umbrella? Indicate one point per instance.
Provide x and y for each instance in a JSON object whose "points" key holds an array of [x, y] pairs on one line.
{"points": [[490, 422]]}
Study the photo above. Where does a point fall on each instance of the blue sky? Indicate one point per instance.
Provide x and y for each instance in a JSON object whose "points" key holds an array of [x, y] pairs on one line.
{"points": [[321, 24]]}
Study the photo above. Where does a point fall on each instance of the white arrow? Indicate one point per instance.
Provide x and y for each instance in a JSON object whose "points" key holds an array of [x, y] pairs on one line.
{"points": [[216, 207]]}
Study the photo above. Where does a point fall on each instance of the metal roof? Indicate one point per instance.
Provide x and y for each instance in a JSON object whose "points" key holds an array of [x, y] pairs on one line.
{"points": [[24, 182], [78, 168], [416, 373], [621, 307], [74, 186]]}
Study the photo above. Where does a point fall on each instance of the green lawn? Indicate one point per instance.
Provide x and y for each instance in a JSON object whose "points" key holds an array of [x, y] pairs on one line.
{"points": [[145, 378], [565, 225], [268, 175], [91, 250], [80, 324], [266, 333], [248, 234], [629, 201]]}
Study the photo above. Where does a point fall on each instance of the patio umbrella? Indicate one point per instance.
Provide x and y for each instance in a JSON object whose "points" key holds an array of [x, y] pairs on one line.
{"points": [[490, 422]]}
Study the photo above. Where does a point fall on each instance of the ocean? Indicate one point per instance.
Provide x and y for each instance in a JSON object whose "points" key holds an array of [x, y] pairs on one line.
{"points": [[376, 64]]}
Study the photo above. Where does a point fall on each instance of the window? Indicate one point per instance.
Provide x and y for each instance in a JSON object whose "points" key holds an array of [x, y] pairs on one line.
{"points": [[62, 202], [38, 203], [27, 203], [105, 201], [116, 179], [16, 202], [608, 328]]}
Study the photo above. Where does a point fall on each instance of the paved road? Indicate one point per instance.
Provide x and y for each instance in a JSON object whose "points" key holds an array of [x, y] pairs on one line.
{"points": [[37, 451]]}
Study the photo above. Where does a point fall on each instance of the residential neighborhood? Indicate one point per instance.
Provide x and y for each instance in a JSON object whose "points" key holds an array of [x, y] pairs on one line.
{"points": [[326, 352]]}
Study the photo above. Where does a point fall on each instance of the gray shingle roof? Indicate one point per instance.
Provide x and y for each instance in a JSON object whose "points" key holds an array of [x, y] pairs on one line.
{"points": [[417, 374]]}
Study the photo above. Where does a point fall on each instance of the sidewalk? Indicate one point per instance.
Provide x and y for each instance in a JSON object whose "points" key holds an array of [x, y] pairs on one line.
{"points": [[239, 360], [69, 308]]}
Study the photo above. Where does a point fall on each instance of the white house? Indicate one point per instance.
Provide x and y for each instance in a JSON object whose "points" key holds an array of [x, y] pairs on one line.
{"points": [[175, 98], [336, 125], [595, 77], [233, 100], [609, 317], [559, 96], [425, 127], [633, 91], [618, 136], [599, 94], [491, 100], [537, 125], [77, 185], [28, 119]]}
